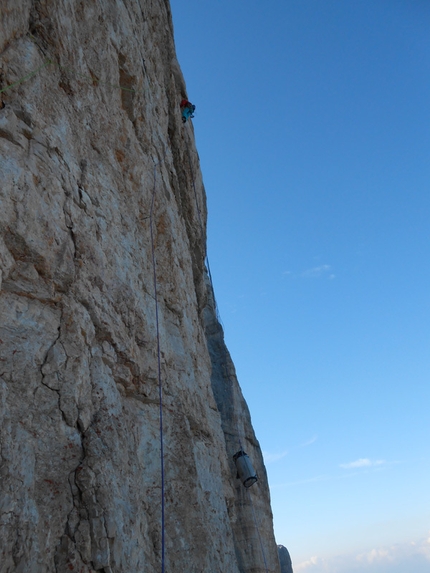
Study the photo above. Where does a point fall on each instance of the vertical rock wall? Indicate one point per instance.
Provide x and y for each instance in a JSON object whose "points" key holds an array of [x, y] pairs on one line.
{"points": [[90, 145]]}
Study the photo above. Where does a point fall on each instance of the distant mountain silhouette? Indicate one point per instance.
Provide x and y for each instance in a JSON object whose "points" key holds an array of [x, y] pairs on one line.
{"points": [[285, 560]]}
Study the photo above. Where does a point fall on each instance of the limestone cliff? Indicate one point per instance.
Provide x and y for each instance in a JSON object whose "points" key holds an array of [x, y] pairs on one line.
{"points": [[93, 157], [285, 560]]}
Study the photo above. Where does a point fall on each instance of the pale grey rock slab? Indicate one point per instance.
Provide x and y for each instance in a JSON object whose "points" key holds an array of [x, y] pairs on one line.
{"points": [[80, 461]]}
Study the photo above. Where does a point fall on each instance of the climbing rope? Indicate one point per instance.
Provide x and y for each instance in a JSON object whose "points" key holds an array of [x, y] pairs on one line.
{"points": [[143, 59], [160, 385], [73, 71], [199, 216], [258, 531], [27, 77], [95, 81], [219, 320], [253, 510]]}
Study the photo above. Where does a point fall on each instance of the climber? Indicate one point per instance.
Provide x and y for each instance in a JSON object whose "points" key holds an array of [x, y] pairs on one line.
{"points": [[187, 109]]}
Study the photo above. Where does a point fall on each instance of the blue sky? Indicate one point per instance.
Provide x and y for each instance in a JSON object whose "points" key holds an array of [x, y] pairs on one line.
{"points": [[313, 130]]}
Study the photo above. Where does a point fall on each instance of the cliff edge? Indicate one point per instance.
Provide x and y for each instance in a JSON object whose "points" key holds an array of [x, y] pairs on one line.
{"points": [[105, 305]]}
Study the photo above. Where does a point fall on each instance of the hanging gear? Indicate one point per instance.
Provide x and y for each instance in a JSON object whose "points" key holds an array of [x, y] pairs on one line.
{"points": [[245, 471]]}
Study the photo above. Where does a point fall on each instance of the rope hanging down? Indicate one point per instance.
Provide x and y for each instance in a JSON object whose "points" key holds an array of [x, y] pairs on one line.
{"points": [[90, 79], [218, 317], [27, 77], [258, 531], [160, 386], [199, 215], [253, 513], [95, 81]]}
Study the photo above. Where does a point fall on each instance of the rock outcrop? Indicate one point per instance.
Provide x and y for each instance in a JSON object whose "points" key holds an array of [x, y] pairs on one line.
{"points": [[285, 560], [99, 180]]}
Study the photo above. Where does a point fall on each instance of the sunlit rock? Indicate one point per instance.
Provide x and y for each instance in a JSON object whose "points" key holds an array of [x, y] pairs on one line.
{"points": [[93, 153]]}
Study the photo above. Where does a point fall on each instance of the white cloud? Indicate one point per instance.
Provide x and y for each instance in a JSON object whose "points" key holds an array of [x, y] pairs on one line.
{"points": [[375, 555], [270, 458], [312, 273], [303, 481], [362, 463], [316, 271], [310, 441], [310, 563], [409, 557]]}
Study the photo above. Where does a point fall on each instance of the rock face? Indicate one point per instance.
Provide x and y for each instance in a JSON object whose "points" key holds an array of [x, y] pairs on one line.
{"points": [[285, 560], [99, 180]]}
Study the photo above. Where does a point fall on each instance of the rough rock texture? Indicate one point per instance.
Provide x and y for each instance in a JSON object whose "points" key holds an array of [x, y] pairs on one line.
{"points": [[83, 164], [285, 560]]}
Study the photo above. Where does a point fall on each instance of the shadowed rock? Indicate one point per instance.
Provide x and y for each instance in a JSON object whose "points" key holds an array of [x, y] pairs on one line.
{"points": [[285, 560]]}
